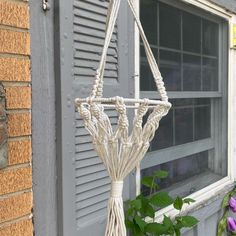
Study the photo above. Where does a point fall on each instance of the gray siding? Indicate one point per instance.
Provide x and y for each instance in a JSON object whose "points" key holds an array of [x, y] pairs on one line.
{"points": [[43, 120], [228, 4], [209, 216]]}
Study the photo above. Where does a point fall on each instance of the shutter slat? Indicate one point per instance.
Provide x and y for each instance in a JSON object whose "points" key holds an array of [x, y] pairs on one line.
{"points": [[92, 192], [92, 177], [89, 170], [93, 200], [92, 184]]}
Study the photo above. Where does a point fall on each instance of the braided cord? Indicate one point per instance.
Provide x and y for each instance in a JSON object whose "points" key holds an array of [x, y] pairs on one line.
{"points": [[110, 25], [113, 9]]}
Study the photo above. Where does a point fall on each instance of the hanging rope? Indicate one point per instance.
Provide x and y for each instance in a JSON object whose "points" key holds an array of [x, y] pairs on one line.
{"points": [[119, 151]]}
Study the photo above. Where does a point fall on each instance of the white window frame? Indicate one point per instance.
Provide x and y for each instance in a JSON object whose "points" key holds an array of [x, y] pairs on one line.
{"points": [[225, 183]]}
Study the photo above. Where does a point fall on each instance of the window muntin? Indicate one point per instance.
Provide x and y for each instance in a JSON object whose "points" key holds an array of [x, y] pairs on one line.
{"points": [[194, 131], [188, 121], [179, 40]]}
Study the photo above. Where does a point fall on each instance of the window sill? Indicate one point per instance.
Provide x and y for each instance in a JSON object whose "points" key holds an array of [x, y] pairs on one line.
{"points": [[202, 197]]}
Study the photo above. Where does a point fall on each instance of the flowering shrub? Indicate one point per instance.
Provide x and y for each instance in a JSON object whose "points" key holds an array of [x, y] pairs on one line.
{"points": [[141, 207], [227, 223]]}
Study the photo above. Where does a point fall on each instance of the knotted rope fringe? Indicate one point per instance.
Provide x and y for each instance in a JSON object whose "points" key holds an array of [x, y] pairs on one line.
{"points": [[120, 151], [116, 221]]}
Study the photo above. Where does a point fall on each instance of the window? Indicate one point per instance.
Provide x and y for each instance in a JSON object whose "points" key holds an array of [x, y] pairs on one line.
{"points": [[190, 48]]}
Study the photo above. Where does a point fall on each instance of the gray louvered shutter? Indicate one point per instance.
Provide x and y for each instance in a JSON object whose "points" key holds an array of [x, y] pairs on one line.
{"points": [[84, 184]]}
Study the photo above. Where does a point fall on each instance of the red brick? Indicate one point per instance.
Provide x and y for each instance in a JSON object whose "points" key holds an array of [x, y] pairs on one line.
{"points": [[14, 14], [14, 180], [14, 42], [21, 228], [15, 206], [19, 124], [14, 69], [18, 97], [19, 152]]}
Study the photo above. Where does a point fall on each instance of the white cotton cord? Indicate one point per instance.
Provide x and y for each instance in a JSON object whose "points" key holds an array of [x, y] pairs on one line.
{"points": [[116, 189], [116, 221], [119, 151], [150, 57], [111, 21]]}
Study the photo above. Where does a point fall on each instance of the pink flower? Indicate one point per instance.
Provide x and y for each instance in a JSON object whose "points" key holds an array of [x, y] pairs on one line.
{"points": [[231, 223], [232, 204]]}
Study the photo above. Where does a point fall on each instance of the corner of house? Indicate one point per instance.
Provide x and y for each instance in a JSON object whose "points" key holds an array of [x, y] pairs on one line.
{"points": [[16, 198]]}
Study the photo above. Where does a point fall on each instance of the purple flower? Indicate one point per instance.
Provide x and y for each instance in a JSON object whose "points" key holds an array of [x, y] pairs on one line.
{"points": [[231, 223], [232, 204]]}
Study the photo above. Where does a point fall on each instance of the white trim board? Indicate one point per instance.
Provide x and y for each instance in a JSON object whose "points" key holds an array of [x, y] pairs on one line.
{"points": [[210, 7]]}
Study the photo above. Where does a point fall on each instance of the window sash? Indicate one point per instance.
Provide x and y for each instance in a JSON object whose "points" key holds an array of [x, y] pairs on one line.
{"points": [[181, 94], [176, 152], [219, 112], [209, 192]]}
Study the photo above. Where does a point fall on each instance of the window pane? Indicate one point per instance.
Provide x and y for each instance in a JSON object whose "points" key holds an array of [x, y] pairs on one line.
{"points": [[169, 26], [202, 118], [165, 130], [183, 125], [210, 38], [146, 79], [191, 73], [191, 33], [170, 67], [188, 120], [210, 74], [186, 175], [149, 11], [188, 57]]}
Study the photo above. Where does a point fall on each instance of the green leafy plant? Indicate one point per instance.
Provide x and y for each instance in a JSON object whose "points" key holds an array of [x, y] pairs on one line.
{"points": [[146, 206], [228, 224]]}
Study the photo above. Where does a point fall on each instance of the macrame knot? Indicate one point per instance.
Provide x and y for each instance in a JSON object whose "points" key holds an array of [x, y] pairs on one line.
{"points": [[95, 111], [116, 189], [120, 105], [97, 75], [85, 114]]}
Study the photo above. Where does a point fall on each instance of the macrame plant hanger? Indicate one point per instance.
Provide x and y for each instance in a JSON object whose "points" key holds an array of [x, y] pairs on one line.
{"points": [[120, 151]]}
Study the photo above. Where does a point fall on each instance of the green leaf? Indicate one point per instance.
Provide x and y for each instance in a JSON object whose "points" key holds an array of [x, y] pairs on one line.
{"points": [[136, 204], [178, 203], [177, 232], [136, 230], [129, 212], [189, 200], [161, 199], [129, 224], [167, 221], [161, 174], [147, 181], [225, 201], [222, 226], [155, 228], [140, 222], [187, 221], [149, 211], [146, 208]]}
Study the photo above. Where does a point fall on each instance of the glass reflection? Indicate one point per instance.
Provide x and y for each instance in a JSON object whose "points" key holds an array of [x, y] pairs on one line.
{"points": [[170, 67]]}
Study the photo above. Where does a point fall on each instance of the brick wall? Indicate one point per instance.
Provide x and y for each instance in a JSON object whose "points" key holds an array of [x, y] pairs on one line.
{"points": [[16, 178]]}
